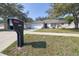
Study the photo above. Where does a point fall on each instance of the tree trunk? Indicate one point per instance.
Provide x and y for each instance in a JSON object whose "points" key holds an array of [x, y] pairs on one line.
{"points": [[76, 20], [76, 23]]}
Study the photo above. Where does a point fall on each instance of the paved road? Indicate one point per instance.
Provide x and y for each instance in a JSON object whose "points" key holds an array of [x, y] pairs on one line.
{"points": [[6, 39], [56, 34]]}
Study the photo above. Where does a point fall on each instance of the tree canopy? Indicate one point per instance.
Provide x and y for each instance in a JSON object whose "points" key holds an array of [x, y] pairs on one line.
{"points": [[41, 18], [59, 9], [69, 19], [12, 10]]}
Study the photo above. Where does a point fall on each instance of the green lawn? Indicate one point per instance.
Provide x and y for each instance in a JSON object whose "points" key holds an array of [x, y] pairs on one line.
{"points": [[59, 30], [55, 45]]}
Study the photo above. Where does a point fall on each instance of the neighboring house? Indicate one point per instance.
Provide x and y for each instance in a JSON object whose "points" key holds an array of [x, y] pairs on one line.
{"points": [[50, 23], [54, 23], [72, 25]]}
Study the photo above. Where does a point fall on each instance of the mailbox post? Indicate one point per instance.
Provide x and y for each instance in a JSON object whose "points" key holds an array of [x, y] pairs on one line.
{"points": [[18, 26]]}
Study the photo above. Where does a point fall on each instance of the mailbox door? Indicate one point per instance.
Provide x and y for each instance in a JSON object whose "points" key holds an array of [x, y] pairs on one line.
{"points": [[18, 25]]}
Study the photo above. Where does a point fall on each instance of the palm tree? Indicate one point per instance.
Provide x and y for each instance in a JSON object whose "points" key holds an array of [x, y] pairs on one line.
{"points": [[9, 10]]}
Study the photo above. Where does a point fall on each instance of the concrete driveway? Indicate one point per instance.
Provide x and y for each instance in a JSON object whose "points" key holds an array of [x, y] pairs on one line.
{"points": [[6, 39]]}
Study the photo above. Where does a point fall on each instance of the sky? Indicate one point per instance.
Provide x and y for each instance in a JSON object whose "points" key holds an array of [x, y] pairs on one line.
{"points": [[36, 9]]}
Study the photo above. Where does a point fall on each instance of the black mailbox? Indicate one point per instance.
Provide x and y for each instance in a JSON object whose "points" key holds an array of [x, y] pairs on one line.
{"points": [[18, 26]]}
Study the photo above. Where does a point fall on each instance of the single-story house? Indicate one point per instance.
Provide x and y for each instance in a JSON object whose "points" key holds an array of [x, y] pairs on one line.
{"points": [[51, 23]]}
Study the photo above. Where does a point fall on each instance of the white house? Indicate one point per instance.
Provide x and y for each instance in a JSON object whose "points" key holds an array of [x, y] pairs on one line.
{"points": [[51, 23], [72, 25]]}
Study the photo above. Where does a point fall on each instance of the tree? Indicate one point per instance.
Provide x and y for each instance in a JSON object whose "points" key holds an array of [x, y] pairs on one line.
{"points": [[66, 8], [29, 19], [11, 10], [69, 19], [41, 18]]}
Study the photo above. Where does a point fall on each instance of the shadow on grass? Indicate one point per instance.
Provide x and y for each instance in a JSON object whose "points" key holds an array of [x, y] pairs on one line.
{"points": [[40, 44]]}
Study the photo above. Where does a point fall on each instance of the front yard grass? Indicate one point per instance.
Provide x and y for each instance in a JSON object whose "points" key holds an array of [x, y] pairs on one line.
{"points": [[55, 45], [62, 30]]}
